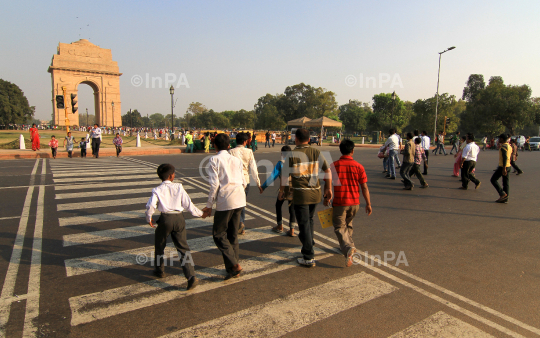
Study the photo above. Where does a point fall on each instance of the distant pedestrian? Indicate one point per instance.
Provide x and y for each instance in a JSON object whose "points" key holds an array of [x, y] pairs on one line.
{"points": [[68, 143], [455, 142], [117, 141], [408, 161], [189, 142], [273, 139], [457, 156], [440, 144], [82, 146], [35, 138], [254, 142], [53, 143], [426, 142], [514, 157], [207, 142], [484, 143], [95, 134], [349, 177], [392, 145], [267, 138], [419, 155], [469, 157], [505, 155]]}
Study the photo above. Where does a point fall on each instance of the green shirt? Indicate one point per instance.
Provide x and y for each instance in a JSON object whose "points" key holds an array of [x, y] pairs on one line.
{"points": [[304, 171], [189, 139]]}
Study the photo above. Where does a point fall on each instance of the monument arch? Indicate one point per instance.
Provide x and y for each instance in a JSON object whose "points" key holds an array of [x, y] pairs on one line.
{"points": [[82, 62]]}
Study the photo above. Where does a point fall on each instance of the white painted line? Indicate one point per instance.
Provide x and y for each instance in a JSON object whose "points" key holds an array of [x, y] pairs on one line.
{"points": [[108, 303], [11, 217], [115, 192], [127, 232], [103, 262], [117, 202], [98, 218], [441, 325], [14, 262], [291, 313], [44, 167], [107, 178], [86, 186], [58, 169], [115, 172], [32, 302]]}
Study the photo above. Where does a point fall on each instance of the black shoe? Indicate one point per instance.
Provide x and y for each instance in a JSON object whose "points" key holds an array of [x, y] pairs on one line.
{"points": [[519, 173], [478, 185], [387, 176], [391, 177], [192, 283], [424, 173], [159, 273], [399, 167], [462, 188]]}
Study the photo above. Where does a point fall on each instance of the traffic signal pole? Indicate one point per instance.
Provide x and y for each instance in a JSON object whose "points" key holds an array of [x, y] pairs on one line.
{"points": [[66, 111]]}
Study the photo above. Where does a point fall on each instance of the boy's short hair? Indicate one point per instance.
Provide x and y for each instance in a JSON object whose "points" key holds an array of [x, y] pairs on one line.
{"points": [[503, 136], [53, 136], [286, 148], [165, 170], [302, 135], [346, 147], [82, 138], [409, 136], [392, 131], [221, 142], [118, 134], [241, 138], [470, 136], [417, 140]]}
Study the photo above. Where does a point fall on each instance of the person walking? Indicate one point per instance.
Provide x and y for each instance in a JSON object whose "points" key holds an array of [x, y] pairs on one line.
{"points": [[95, 134], [392, 145], [273, 139], [117, 141], [457, 156], [249, 166], [440, 144], [408, 161], [419, 155], [34, 137], [207, 142], [455, 142], [227, 189], [304, 165], [69, 141], [484, 143], [349, 178], [426, 142], [505, 155], [514, 157], [468, 163], [189, 142], [267, 137]]}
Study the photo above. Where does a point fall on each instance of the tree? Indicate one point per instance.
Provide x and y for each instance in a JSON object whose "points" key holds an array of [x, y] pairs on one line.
{"points": [[133, 119], [157, 120], [196, 108], [270, 118], [242, 119], [353, 115], [388, 113], [423, 113], [14, 107]]}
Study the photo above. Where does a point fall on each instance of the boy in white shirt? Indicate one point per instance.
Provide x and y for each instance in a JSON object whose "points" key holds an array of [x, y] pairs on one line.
{"points": [[171, 199]]}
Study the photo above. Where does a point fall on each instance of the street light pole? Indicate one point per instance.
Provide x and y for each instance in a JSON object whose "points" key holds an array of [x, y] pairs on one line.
{"points": [[86, 116], [112, 104], [437, 104], [393, 108], [171, 90]]}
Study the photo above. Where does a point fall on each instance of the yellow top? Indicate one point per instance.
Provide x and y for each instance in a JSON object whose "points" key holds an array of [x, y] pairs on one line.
{"points": [[505, 153]]}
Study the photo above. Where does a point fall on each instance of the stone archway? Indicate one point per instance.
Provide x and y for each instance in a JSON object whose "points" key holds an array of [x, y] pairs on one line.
{"points": [[83, 62]]}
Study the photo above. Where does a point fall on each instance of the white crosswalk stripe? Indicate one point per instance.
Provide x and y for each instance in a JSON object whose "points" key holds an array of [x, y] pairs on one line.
{"points": [[105, 173], [112, 193], [86, 186], [104, 178]]}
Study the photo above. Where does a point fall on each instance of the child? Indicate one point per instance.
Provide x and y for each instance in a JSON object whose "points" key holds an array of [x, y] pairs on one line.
{"points": [[53, 143], [117, 141], [288, 195], [68, 143], [82, 146], [171, 200]]}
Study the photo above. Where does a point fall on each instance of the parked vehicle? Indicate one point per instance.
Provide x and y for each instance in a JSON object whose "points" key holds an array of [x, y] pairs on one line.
{"points": [[535, 143]]}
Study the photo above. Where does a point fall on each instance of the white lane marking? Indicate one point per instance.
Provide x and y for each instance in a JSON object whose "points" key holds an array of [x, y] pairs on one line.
{"points": [[108, 303], [97, 218], [32, 303], [103, 178], [90, 192], [291, 313], [14, 262], [10, 217], [57, 169], [127, 232], [421, 280], [44, 167], [102, 262], [78, 174], [86, 186], [117, 202], [441, 325]]}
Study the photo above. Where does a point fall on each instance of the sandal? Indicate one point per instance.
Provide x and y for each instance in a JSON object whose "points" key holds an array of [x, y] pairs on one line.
{"points": [[278, 229], [290, 233]]}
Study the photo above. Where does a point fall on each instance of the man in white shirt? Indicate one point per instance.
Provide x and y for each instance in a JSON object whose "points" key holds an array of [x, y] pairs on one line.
{"points": [[248, 166], [392, 144], [171, 200], [95, 134], [440, 144], [227, 190], [273, 139], [426, 141], [468, 163]]}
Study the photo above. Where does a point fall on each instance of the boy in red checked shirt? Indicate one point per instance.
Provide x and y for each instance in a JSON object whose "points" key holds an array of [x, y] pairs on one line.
{"points": [[348, 178], [53, 143]]}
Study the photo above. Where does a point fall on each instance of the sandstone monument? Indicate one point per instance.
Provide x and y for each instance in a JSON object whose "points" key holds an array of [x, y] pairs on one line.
{"points": [[83, 62]]}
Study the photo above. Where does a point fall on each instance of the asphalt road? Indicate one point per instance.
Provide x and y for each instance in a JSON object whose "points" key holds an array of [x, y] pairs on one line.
{"points": [[72, 232]]}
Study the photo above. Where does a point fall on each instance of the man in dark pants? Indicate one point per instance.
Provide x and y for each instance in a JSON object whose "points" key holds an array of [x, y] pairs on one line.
{"points": [[505, 153], [95, 134], [425, 144], [468, 163], [227, 190], [514, 156], [267, 137], [171, 200], [408, 161], [303, 167]]}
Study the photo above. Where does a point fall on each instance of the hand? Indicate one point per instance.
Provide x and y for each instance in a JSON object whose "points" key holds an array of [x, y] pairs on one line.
{"points": [[368, 209], [150, 223], [281, 195], [455, 155], [327, 196], [504, 172], [206, 212], [461, 166], [261, 189]]}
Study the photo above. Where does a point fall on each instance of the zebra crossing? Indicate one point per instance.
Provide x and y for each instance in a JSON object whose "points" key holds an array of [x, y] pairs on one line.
{"points": [[102, 216]]}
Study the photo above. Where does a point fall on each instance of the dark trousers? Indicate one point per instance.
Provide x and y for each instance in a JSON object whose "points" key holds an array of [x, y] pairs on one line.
{"points": [[505, 180], [404, 172], [467, 174], [70, 153], [83, 152], [54, 151], [225, 234], [118, 150], [279, 213], [267, 143], [426, 161], [243, 214], [304, 216], [273, 142], [95, 146], [515, 166], [415, 171], [455, 146], [174, 225]]}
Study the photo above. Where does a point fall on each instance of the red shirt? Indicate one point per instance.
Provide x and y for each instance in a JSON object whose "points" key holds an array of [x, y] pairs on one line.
{"points": [[350, 174]]}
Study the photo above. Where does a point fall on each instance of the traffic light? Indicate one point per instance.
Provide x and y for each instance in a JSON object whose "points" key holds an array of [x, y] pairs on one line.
{"points": [[73, 103], [447, 121], [60, 101]]}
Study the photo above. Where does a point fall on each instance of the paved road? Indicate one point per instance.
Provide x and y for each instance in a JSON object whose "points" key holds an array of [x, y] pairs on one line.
{"points": [[73, 231]]}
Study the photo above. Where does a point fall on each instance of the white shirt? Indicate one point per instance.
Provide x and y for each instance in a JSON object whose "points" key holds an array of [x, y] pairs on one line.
{"points": [[168, 197], [227, 182], [470, 152], [426, 142], [273, 136], [96, 132], [248, 163], [392, 143]]}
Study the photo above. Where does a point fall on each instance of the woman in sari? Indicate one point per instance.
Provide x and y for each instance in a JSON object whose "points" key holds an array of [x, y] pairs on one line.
{"points": [[34, 137], [457, 163]]}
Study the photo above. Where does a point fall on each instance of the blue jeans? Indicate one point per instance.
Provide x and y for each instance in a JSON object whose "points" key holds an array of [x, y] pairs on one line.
{"points": [[385, 163], [391, 167], [304, 217], [455, 146], [189, 148], [243, 214]]}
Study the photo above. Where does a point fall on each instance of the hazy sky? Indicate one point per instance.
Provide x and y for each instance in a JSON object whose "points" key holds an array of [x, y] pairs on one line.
{"points": [[233, 52]]}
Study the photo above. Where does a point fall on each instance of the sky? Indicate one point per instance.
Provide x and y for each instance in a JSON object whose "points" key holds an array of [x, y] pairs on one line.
{"points": [[229, 53]]}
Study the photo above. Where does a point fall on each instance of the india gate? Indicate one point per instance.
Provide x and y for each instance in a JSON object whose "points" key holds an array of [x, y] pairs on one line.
{"points": [[83, 62]]}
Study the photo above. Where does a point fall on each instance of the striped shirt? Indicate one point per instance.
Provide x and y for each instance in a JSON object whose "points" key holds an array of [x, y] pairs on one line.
{"points": [[304, 164], [351, 175]]}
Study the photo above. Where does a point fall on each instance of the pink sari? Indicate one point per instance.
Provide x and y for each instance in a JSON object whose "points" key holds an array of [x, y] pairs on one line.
{"points": [[34, 137], [457, 164]]}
